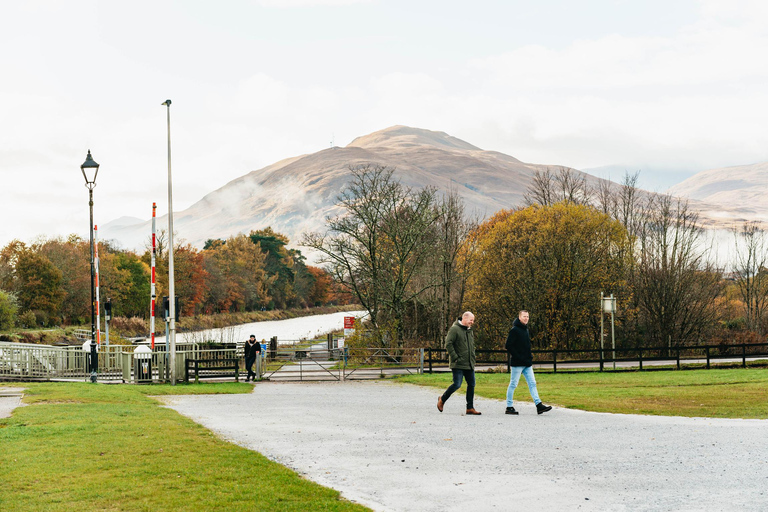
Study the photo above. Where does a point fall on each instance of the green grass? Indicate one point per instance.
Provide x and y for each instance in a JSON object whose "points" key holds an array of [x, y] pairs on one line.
{"points": [[79, 446], [737, 393]]}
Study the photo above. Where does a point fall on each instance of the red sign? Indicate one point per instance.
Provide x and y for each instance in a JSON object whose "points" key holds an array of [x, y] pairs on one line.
{"points": [[349, 322]]}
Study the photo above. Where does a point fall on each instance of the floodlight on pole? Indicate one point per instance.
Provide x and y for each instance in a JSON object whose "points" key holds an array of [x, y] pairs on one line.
{"points": [[171, 284]]}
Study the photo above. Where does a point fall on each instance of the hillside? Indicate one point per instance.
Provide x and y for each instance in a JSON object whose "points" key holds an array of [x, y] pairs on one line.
{"points": [[730, 194], [295, 195]]}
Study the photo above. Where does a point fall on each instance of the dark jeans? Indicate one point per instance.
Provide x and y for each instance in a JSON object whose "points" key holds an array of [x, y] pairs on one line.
{"points": [[458, 375], [249, 365]]}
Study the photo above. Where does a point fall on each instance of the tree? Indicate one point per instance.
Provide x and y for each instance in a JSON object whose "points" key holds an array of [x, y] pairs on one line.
{"points": [[749, 269], [549, 188], [551, 260], [236, 276], [675, 283], [278, 265], [8, 309], [377, 246], [38, 284]]}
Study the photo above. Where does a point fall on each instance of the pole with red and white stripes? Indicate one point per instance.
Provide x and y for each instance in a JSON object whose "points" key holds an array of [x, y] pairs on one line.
{"points": [[96, 267], [153, 294]]}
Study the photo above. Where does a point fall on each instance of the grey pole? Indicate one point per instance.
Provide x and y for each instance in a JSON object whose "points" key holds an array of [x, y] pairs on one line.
{"points": [[171, 286], [602, 330], [613, 337]]}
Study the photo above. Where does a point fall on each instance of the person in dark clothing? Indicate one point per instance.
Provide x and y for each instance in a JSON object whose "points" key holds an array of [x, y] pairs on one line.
{"points": [[252, 351], [521, 363], [460, 344]]}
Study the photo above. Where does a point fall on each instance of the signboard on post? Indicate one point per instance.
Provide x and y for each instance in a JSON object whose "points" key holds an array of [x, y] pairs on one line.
{"points": [[349, 325]]}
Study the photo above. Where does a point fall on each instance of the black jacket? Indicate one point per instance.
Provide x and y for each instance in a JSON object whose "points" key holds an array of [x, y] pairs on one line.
{"points": [[251, 350], [519, 345]]}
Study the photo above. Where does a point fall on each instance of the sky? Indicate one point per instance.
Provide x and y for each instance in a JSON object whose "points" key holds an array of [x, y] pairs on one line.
{"points": [[666, 88]]}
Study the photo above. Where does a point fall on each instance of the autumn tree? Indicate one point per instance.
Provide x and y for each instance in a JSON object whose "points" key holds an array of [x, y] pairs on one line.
{"points": [[38, 285], [278, 264], [551, 260]]}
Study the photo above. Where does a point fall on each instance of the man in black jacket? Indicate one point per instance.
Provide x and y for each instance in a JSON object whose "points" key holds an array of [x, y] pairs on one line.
{"points": [[252, 350], [521, 362]]}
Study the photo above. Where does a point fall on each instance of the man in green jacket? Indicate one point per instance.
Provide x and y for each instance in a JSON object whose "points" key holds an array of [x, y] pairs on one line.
{"points": [[460, 344]]}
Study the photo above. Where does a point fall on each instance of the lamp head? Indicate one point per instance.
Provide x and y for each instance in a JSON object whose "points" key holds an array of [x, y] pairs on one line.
{"points": [[90, 169], [167, 103]]}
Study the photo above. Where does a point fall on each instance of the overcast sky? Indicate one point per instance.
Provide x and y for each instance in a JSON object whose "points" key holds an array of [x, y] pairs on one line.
{"points": [[669, 88]]}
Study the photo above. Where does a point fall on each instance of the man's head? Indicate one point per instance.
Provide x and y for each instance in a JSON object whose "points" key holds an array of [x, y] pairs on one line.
{"points": [[524, 317], [467, 319], [253, 337]]}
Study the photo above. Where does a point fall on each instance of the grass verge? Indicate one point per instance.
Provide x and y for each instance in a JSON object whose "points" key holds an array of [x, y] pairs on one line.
{"points": [[737, 393], [81, 446]]}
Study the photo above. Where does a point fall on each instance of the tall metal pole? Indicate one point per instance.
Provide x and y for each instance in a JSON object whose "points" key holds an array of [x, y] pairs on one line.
{"points": [[613, 333], [94, 354], [171, 287]]}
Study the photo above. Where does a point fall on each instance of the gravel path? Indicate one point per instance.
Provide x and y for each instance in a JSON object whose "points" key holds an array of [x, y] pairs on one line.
{"points": [[385, 445], [10, 398]]}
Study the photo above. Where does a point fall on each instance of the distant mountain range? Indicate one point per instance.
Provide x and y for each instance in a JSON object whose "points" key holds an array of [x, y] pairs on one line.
{"points": [[730, 195], [295, 195]]}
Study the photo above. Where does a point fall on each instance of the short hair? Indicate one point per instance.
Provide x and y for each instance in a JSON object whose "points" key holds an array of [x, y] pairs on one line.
{"points": [[467, 313], [253, 335], [521, 312]]}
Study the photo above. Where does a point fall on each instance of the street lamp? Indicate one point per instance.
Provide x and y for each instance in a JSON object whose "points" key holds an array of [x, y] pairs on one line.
{"points": [[90, 169], [171, 284]]}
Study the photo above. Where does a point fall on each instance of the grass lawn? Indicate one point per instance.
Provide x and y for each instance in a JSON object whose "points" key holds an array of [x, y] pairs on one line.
{"points": [[79, 446], [735, 393]]}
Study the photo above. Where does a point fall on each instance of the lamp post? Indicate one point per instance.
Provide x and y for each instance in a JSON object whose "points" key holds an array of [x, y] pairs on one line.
{"points": [[90, 169], [171, 284]]}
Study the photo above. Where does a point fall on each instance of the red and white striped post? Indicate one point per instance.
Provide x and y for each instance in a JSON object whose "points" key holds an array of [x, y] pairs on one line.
{"points": [[153, 294], [96, 265]]}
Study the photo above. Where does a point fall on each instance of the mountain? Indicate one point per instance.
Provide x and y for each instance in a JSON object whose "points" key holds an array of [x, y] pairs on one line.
{"points": [[731, 194], [296, 194]]}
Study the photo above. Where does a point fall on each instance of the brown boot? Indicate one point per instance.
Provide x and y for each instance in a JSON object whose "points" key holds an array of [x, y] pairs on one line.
{"points": [[472, 412], [440, 403]]}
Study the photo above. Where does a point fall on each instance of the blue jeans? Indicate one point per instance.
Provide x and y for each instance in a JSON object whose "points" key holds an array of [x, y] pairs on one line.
{"points": [[458, 375], [514, 378]]}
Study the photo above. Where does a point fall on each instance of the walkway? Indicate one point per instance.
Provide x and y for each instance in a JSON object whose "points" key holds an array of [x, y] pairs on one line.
{"points": [[385, 445]]}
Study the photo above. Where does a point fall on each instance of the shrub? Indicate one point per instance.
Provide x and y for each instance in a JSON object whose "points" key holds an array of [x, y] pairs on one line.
{"points": [[28, 320], [8, 309], [130, 327]]}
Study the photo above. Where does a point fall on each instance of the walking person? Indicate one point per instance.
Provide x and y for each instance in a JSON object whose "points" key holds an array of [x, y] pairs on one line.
{"points": [[252, 351], [521, 362], [460, 343]]}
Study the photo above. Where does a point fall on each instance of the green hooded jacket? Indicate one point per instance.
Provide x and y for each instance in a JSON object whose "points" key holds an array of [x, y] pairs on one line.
{"points": [[460, 344]]}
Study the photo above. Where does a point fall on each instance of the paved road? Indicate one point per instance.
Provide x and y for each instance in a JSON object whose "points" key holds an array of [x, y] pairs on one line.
{"points": [[386, 445]]}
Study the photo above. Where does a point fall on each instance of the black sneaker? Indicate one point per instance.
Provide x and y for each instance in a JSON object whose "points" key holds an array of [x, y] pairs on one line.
{"points": [[511, 410], [541, 408]]}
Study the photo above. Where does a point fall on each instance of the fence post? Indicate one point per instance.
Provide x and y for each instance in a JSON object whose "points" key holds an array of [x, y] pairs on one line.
{"points": [[602, 361], [640, 356], [707, 357], [678, 357], [554, 361], [429, 354], [743, 355], [421, 361]]}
